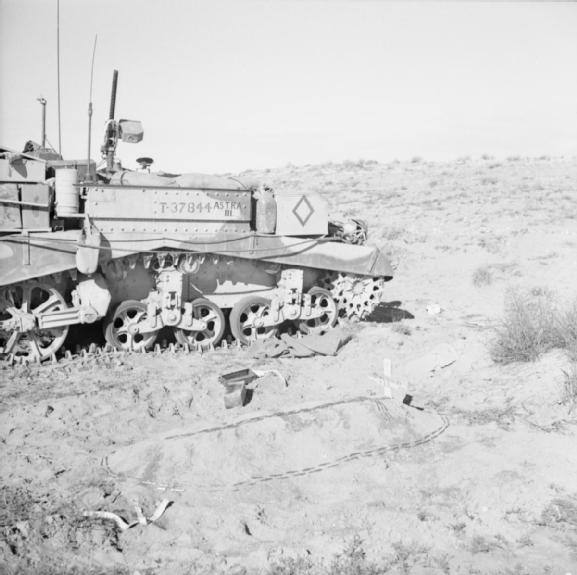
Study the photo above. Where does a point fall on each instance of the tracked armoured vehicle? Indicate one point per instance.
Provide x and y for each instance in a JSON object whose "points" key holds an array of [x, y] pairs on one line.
{"points": [[140, 251]]}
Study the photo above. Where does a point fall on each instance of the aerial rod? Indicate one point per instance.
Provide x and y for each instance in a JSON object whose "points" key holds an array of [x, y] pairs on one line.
{"points": [[88, 175], [111, 131], [113, 95], [58, 72], [43, 103]]}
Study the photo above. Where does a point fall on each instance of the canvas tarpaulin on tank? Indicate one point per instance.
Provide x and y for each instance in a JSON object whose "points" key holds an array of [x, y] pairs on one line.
{"points": [[191, 180]]}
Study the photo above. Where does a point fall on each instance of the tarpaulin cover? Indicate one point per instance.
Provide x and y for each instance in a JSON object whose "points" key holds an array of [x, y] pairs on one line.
{"points": [[307, 346]]}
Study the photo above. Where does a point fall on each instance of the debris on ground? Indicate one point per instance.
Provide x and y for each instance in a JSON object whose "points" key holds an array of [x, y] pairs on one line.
{"points": [[141, 519], [436, 359], [238, 383], [408, 400], [308, 346], [434, 309]]}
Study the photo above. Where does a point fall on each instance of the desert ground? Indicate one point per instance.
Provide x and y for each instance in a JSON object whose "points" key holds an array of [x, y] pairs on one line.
{"points": [[332, 473]]}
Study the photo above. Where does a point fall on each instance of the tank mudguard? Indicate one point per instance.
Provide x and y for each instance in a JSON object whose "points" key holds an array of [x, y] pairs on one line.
{"points": [[318, 253], [346, 258], [24, 257]]}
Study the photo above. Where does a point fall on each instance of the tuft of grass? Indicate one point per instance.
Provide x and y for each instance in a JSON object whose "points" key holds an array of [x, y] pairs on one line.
{"points": [[401, 328], [302, 565], [533, 324], [352, 561], [393, 233], [530, 328], [567, 327], [570, 387], [560, 511], [482, 276]]}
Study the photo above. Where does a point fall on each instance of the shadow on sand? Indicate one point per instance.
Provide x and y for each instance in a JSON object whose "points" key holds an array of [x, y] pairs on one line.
{"points": [[388, 312]]}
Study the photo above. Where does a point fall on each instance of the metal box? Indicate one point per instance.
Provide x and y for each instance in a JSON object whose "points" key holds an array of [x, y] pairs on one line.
{"points": [[22, 170], [9, 209], [237, 379], [35, 217]]}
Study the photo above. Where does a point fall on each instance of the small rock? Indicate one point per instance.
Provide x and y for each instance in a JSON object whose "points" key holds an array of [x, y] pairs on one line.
{"points": [[434, 309]]}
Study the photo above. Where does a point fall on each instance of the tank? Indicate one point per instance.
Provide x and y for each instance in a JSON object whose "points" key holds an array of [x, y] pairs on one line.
{"points": [[141, 252]]}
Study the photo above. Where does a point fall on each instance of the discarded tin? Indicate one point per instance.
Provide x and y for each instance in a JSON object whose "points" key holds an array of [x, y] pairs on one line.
{"points": [[238, 383], [236, 397], [235, 386], [236, 379]]}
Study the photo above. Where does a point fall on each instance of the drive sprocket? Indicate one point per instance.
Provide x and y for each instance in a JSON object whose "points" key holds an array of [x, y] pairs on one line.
{"points": [[356, 296]]}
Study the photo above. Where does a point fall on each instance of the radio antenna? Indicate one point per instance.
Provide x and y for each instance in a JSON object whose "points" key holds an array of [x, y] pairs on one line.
{"points": [[43, 103], [58, 71], [89, 177]]}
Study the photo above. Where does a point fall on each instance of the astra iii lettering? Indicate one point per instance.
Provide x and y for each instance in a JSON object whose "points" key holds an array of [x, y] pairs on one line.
{"points": [[215, 208]]}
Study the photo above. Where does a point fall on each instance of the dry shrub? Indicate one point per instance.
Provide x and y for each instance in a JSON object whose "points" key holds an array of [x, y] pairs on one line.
{"points": [[482, 276], [570, 387], [42, 534], [531, 327], [392, 233], [567, 326], [401, 328], [352, 561], [560, 511]]}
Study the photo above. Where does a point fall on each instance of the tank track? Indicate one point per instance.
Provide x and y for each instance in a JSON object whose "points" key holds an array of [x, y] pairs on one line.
{"points": [[356, 297]]}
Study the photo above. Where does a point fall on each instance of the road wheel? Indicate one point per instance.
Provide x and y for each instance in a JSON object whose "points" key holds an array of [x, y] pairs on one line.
{"points": [[125, 330], [321, 302], [210, 313], [22, 301], [247, 318]]}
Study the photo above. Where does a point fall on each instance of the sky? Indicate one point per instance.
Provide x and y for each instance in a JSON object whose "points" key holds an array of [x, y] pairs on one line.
{"points": [[228, 85]]}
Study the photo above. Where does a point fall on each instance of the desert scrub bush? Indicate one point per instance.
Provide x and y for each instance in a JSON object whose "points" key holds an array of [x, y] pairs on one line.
{"points": [[533, 324], [567, 327], [570, 387], [401, 328], [393, 233], [302, 565], [530, 327], [352, 561], [482, 276]]}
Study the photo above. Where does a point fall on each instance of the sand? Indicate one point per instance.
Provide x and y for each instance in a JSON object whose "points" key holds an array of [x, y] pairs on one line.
{"points": [[480, 480]]}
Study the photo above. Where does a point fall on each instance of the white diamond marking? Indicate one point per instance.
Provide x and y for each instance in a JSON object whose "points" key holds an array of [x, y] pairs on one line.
{"points": [[303, 210]]}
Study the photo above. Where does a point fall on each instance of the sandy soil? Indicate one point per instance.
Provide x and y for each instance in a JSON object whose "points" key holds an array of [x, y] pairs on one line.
{"points": [[482, 480]]}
